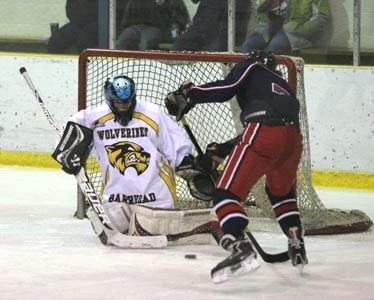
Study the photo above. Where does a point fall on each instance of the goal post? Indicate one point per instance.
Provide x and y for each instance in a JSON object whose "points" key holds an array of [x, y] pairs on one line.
{"points": [[156, 73]]}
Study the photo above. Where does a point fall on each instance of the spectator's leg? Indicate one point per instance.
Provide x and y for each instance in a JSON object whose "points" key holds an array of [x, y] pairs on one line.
{"points": [[88, 37], [150, 38], [205, 27], [129, 39], [254, 41], [279, 44], [63, 39], [219, 44], [220, 38], [242, 18]]}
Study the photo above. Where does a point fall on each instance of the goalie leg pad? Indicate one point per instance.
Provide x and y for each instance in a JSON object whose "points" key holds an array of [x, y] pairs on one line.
{"points": [[184, 226], [120, 215], [74, 147]]}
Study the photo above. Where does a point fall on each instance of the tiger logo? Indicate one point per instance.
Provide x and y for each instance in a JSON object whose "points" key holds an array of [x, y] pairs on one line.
{"points": [[124, 155]]}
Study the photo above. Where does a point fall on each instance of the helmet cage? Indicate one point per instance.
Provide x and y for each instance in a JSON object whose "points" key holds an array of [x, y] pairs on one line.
{"points": [[120, 89]]}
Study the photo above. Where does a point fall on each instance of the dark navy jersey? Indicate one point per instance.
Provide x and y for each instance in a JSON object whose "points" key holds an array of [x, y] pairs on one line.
{"points": [[262, 95]]}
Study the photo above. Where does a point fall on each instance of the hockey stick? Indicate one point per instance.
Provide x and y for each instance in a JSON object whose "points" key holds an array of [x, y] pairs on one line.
{"points": [[267, 257], [187, 127], [117, 238]]}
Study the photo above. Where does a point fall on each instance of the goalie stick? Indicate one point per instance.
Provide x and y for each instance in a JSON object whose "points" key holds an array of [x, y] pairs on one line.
{"points": [[267, 257], [107, 232]]}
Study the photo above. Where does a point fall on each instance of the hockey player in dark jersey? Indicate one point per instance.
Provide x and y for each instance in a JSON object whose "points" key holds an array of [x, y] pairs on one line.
{"points": [[270, 145]]}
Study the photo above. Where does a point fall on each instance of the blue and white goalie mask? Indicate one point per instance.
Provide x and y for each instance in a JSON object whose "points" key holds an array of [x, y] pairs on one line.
{"points": [[120, 96]]}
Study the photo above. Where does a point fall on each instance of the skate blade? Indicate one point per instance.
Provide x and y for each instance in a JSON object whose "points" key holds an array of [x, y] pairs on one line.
{"points": [[301, 267], [250, 264], [300, 264]]}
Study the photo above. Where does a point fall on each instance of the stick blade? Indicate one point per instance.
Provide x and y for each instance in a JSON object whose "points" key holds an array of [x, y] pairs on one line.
{"points": [[22, 70], [268, 257]]}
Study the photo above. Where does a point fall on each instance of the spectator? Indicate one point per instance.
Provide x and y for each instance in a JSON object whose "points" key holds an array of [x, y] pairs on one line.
{"points": [[208, 30], [147, 23], [80, 32], [285, 26]]}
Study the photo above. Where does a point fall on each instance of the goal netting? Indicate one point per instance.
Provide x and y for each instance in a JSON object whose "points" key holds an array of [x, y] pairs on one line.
{"points": [[156, 73]]}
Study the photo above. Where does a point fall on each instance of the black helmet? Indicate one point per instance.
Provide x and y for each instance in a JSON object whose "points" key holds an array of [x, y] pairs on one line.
{"points": [[265, 58], [120, 89]]}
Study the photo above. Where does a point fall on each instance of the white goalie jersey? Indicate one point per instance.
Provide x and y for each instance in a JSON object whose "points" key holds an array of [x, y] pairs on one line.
{"points": [[137, 161]]}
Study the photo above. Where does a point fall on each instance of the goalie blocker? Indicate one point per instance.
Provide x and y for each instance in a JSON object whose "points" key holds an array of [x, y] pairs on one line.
{"points": [[74, 147]]}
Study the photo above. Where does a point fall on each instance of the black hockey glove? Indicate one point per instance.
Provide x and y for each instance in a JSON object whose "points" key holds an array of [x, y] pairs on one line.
{"points": [[177, 103], [218, 152], [205, 163], [74, 147], [187, 163], [201, 164]]}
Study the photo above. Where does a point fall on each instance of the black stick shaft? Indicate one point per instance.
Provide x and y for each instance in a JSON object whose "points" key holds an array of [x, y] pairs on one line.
{"points": [[184, 122]]}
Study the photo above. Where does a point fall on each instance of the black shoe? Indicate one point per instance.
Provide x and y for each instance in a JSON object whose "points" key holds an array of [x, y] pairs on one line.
{"points": [[241, 260], [296, 247]]}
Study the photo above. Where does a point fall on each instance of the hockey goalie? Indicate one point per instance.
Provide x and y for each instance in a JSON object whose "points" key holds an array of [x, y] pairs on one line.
{"points": [[140, 150]]}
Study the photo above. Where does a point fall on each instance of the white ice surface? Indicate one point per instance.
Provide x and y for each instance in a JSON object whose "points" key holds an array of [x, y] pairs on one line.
{"points": [[45, 253]]}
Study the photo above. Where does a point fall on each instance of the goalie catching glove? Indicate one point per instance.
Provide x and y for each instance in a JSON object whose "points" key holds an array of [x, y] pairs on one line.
{"points": [[200, 182], [177, 103], [74, 147], [200, 185]]}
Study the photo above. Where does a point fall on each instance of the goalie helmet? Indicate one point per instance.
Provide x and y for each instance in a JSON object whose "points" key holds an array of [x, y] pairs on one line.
{"points": [[120, 95], [265, 58]]}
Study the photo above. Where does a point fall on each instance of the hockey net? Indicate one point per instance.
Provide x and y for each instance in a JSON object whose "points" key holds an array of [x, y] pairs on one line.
{"points": [[157, 73]]}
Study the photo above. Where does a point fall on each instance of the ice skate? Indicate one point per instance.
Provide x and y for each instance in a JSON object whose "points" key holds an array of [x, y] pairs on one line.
{"points": [[296, 247], [241, 260]]}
